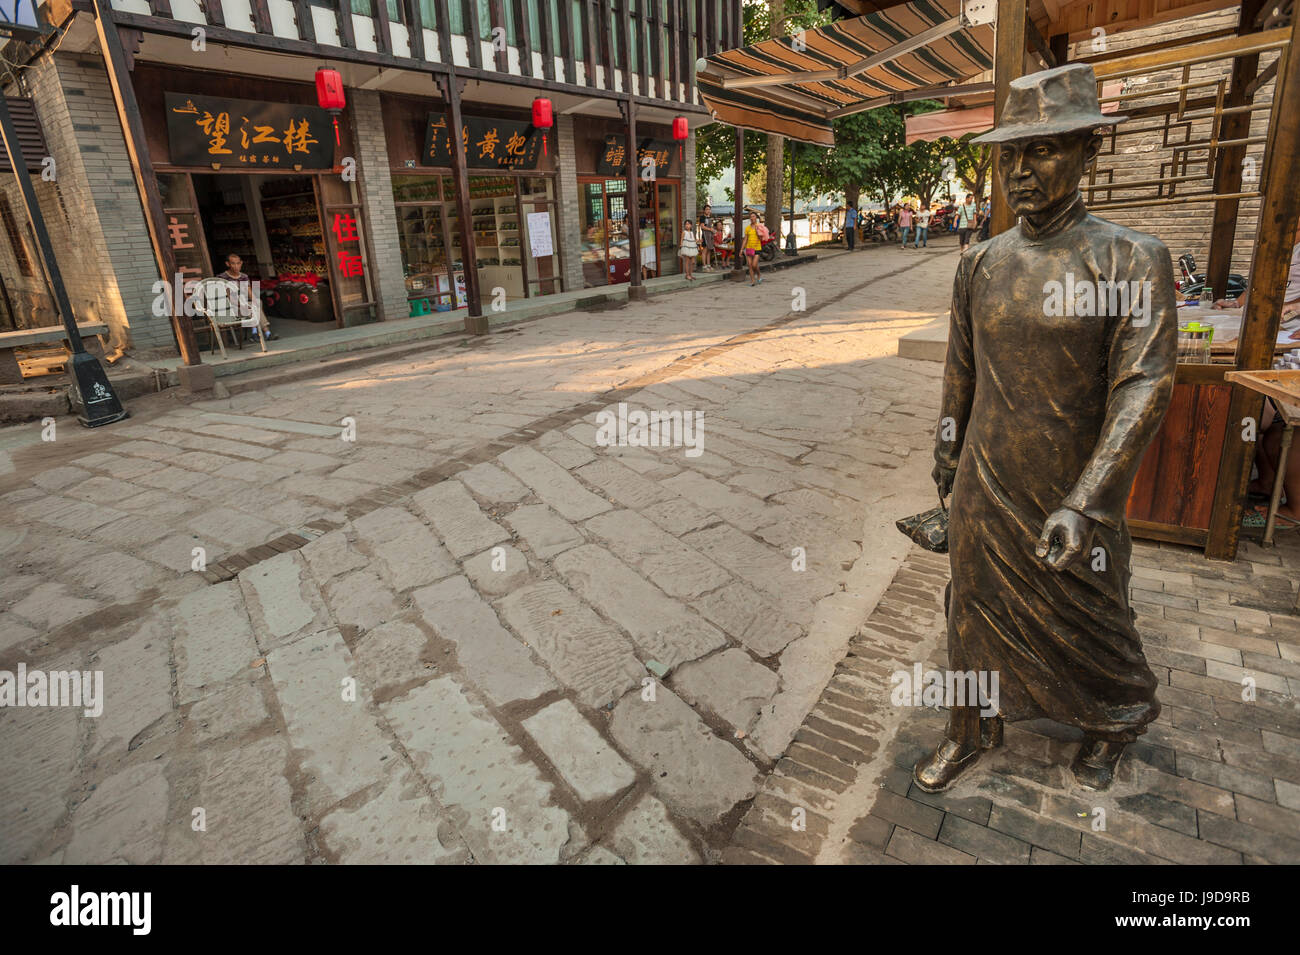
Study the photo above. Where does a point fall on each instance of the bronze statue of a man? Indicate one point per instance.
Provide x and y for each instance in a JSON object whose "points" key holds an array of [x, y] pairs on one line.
{"points": [[1060, 366]]}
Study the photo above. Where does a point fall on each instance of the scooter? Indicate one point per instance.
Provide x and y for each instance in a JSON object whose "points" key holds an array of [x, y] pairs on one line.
{"points": [[881, 229], [767, 252], [1192, 282]]}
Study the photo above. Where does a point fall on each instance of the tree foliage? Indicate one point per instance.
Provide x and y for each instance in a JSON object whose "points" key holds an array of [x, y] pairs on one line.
{"points": [[870, 157]]}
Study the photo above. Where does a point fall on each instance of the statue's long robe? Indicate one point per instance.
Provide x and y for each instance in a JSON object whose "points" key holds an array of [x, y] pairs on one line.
{"points": [[1051, 411]]}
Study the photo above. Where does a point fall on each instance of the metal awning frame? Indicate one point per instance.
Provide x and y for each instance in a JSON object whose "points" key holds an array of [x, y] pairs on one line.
{"points": [[973, 13]]}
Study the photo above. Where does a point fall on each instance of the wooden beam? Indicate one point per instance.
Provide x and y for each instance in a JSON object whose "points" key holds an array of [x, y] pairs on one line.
{"points": [[347, 31], [525, 40], [632, 202], [674, 49], [1038, 43], [474, 31], [1008, 64], [1159, 45], [590, 23], [415, 31], [146, 183], [450, 86], [655, 49], [261, 18], [1228, 167], [306, 26], [738, 211], [215, 15], [545, 34], [383, 31], [566, 42], [501, 51], [1200, 53], [1278, 213], [638, 24], [160, 8]]}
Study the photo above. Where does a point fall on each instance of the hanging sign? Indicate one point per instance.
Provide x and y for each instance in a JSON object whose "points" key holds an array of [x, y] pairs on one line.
{"points": [[486, 143], [613, 156], [202, 130]]}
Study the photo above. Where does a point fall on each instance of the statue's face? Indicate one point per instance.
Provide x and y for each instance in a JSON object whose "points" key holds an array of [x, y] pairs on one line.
{"points": [[1037, 174]]}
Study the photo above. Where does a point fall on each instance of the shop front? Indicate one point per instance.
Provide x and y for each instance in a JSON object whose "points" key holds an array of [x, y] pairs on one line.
{"points": [[512, 202], [256, 178], [608, 232]]}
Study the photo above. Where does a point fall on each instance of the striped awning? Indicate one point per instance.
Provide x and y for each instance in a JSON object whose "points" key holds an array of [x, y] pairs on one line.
{"points": [[796, 86]]}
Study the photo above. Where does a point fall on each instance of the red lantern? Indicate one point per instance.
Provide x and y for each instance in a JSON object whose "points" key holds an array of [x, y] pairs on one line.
{"points": [[329, 94], [681, 130], [543, 118]]}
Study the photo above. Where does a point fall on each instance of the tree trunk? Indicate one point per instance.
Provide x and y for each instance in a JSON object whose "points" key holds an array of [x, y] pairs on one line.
{"points": [[775, 144]]}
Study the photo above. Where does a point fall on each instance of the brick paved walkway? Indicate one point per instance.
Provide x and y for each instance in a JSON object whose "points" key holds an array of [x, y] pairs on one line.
{"points": [[1215, 780]]}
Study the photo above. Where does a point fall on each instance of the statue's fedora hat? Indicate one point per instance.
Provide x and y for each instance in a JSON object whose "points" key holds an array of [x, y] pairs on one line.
{"points": [[1048, 103]]}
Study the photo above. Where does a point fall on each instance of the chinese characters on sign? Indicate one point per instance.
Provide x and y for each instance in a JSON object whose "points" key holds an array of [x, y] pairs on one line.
{"points": [[202, 130], [349, 260], [486, 143], [182, 228], [612, 159]]}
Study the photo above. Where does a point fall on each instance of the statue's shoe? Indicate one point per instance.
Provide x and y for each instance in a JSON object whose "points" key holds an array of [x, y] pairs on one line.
{"points": [[1094, 765], [939, 770], [990, 732]]}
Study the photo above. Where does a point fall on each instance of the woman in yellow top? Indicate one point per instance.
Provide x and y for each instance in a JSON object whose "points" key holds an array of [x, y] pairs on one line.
{"points": [[752, 246]]}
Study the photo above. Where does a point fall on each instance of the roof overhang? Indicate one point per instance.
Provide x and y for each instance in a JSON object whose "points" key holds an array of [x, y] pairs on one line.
{"points": [[797, 86]]}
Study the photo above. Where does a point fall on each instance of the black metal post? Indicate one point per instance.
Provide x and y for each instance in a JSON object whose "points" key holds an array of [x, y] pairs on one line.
{"points": [[100, 404], [738, 228], [636, 289]]}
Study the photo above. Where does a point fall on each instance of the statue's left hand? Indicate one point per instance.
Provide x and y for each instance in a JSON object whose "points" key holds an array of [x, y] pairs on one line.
{"points": [[1066, 537]]}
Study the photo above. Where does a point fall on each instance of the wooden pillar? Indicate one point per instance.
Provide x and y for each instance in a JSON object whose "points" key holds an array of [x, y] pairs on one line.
{"points": [[632, 203], [450, 86], [738, 229], [146, 183], [1279, 210], [1228, 168], [1008, 64]]}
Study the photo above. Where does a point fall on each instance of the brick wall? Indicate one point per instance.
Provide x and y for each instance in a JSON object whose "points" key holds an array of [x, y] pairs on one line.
{"points": [[376, 184], [567, 183], [90, 208], [1182, 227]]}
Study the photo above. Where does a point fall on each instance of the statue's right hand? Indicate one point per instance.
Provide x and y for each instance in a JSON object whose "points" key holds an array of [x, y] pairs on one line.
{"points": [[943, 478]]}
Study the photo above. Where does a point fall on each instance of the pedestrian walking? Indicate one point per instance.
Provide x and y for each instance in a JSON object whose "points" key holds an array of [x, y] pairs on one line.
{"points": [[905, 223], [967, 215], [851, 225], [689, 250], [752, 245], [986, 221], [923, 226]]}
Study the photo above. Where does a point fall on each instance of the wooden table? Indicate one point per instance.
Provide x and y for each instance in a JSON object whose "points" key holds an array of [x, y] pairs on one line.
{"points": [[1284, 387]]}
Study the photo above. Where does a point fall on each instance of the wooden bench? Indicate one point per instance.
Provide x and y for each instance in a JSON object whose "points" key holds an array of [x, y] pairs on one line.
{"points": [[11, 374]]}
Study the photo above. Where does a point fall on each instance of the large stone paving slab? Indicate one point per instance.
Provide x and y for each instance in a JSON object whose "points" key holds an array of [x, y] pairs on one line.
{"points": [[693, 771], [498, 799], [587, 655]]}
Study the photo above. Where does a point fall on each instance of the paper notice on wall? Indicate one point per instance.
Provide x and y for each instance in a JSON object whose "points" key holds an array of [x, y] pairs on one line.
{"points": [[539, 234]]}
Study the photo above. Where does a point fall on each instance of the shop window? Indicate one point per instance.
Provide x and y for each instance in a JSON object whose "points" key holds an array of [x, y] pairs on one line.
{"points": [[426, 225], [537, 222], [16, 240]]}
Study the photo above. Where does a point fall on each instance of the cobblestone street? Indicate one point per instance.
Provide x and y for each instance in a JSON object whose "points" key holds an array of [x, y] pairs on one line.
{"points": [[420, 612]]}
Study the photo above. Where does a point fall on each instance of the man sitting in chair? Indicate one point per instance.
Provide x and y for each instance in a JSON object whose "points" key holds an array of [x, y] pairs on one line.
{"points": [[245, 301]]}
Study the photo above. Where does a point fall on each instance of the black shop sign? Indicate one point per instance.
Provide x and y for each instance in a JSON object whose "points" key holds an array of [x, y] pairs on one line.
{"points": [[487, 143], [202, 130], [613, 156]]}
